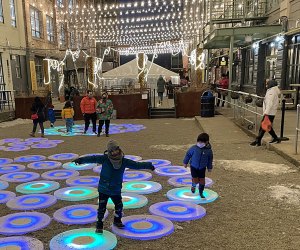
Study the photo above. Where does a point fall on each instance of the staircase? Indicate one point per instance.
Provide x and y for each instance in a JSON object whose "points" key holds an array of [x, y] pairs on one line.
{"points": [[57, 114], [162, 113]]}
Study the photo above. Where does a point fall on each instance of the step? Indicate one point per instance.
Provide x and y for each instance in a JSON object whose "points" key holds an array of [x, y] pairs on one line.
{"points": [[57, 114], [163, 116]]}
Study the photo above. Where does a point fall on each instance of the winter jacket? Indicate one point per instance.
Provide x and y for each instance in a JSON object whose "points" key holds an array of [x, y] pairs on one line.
{"points": [[161, 85], [67, 113], [111, 179], [105, 109], [271, 101], [51, 115], [88, 105], [199, 158], [38, 108], [223, 83]]}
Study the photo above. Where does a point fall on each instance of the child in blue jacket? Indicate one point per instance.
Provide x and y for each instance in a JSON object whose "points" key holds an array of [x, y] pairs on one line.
{"points": [[51, 115], [200, 157], [111, 178]]}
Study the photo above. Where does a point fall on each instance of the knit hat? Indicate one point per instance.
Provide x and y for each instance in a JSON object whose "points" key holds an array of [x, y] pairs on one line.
{"points": [[112, 145], [272, 83]]}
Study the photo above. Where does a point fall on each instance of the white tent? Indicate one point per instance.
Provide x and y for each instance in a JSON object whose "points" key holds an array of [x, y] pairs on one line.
{"points": [[128, 72]]}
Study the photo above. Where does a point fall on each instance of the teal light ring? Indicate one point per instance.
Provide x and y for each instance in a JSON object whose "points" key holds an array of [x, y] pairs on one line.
{"points": [[63, 157], [21, 242], [186, 181], [141, 187], [172, 171], [130, 201], [37, 187], [78, 167], [5, 161], [158, 162], [44, 165], [133, 157], [20, 176], [3, 185], [74, 239], [76, 193], [60, 174], [185, 194], [30, 158], [132, 175], [5, 196], [89, 181]]}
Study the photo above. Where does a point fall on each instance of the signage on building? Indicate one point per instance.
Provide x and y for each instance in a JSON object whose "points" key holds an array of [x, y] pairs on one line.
{"points": [[223, 61], [33, 76]]}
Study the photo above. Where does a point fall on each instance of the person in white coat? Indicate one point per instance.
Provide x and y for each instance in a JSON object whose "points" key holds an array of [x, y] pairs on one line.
{"points": [[270, 105]]}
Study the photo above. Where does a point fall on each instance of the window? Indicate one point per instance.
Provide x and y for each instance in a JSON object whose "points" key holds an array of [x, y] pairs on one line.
{"points": [[39, 71], [1, 12], [72, 39], [176, 61], [62, 35], [71, 5], [13, 13], [2, 83], [60, 3], [36, 30], [50, 31], [18, 67]]}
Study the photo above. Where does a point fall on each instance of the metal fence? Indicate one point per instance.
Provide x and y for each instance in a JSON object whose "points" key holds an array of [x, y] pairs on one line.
{"points": [[297, 129], [7, 102]]}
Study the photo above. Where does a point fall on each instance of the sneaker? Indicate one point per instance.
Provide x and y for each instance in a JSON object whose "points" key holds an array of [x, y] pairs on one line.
{"points": [[94, 132], [275, 140], [118, 223], [99, 228], [98, 135], [107, 135], [193, 189], [42, 135], [51, 125], [32, 134], [84, 132], [255, 143], [202, 196]]}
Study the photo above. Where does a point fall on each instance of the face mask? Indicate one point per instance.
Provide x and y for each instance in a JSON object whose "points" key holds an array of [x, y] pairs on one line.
{"points": [[201, 144], [104, 97]]}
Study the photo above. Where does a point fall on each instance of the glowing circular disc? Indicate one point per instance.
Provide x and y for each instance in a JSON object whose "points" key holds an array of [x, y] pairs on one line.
{"points": [[20, 177], [56, 141], [97, 169], [5, 161], [36, 140], [10, 140], [92, 154], [63, 157], [130, 201], [178, 210], [84, 238], [10, 168], [90, 181], [20, 143], [158, 162], [30, 158], [183, 181], [141, 187], [3, 185], [22, 223], [44, 145], [136, 176], [144, 227], [16, 148], [31, 202], [5, 196], [37, 187], [20, 243], [133, 157], [76, 193], [171, 171], [41, 165], [77, 214], [73, 166], [185, 194], [60, 174]]}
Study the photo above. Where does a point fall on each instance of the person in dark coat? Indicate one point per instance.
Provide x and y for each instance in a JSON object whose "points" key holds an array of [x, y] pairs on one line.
{"points": [[38, 108], [111, 178], [160, 89]]}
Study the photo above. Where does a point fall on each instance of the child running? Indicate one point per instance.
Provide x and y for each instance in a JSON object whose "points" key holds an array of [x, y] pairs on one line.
{"points": [[111, 178], [51, 115], [67, 114], [200, 157]]}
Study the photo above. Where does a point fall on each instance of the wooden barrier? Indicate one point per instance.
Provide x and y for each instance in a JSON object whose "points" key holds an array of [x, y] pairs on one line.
{"points": [[23, 106]]}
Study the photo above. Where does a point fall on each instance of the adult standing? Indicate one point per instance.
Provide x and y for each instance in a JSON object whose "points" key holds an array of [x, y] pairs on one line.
{"points": [[88, 108], [270, 105], [105, 110], [223, 83], [38, 116], [160, 89]]}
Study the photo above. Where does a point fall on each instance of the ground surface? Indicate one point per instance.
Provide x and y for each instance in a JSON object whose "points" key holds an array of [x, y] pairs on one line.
{"points": [[257, 209]]}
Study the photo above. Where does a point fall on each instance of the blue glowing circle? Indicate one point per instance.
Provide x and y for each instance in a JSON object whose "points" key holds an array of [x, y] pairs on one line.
{"points": [[56, 141], [78, 167], [5, 161], [41, 165], [3, 185], [144, 227], [178, 210], [21, 243], [5, 196], [84, 238], [10, 140], [16, 148], [20, 143], [92, 154], [183, 181], [133, 157], [10, 168], [158, 162], [30, 158], [172, 171], [60, 174], [136, 176], [130, 201], [20, 177], [77, 214], [90, 181], [97, 169], [22, 223], [76, 193], [185, 194], [31, 202], [36, 140], [141, 187], [37, 187], [63, 157], [44, 145]]}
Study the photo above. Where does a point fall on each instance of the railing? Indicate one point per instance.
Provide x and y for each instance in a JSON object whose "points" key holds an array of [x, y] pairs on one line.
{"points": [[6, 101], [297, 129]]}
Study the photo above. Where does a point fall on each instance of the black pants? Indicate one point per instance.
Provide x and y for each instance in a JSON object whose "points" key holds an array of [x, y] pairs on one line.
{"points": [[101, 123], [116, 199], [262, 132], [220, 96], [35, 123], [87, 118]]}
